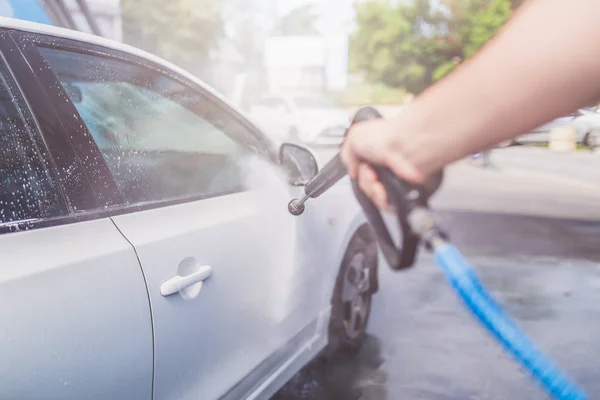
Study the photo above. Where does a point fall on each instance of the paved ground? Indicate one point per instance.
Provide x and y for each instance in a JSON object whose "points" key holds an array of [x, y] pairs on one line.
{"points": [[582, 166], [534, 238]]}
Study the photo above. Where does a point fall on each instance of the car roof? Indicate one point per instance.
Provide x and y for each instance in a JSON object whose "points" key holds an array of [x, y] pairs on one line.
{"points": [[49, 30]]}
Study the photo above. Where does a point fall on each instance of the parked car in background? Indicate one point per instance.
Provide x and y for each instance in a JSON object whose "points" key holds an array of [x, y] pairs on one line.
{"points": [[145, 243], [586, 122], [310, 119]]}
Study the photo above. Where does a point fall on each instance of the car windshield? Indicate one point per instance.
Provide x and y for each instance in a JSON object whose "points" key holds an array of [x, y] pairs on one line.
{"points": [[314, 102]]}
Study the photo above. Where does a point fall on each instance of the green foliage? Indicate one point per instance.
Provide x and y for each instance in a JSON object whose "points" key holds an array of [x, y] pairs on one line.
{"points": [[474, 22], [396, 44], [382, 94], [412, 44], [486, 18], [182, 31], [361, 94], [443, 70]]}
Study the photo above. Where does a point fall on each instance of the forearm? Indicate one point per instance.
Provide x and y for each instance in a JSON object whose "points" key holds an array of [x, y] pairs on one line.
{"points": [[544, 63]]}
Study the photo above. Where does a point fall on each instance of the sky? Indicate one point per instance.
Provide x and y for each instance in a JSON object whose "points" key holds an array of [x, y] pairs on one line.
{"points": [[29, 10]]}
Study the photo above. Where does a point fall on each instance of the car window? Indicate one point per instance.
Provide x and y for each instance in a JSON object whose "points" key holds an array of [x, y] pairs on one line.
{"points": [[161, 139], [27, 189]]}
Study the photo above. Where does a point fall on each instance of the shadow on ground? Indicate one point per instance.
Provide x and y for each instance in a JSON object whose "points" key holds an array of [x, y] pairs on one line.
{"points": [[342, 376]]}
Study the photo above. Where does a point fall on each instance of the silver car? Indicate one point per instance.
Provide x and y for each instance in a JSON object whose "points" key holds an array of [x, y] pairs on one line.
{"points": [[586, 122], [146, 247]]}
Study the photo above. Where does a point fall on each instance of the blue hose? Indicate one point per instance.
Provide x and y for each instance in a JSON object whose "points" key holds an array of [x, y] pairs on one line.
{"points": [[467, 285]]}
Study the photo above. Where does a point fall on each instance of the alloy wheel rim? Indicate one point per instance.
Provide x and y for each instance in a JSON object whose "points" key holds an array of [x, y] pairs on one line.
{"points": [[355, 296]]}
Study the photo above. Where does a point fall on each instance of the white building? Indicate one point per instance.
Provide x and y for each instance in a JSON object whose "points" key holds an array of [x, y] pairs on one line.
{"points": [[298, 63], [295, 62], [311, 62]]}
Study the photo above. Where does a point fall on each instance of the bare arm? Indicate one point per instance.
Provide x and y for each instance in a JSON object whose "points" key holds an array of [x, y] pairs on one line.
{"points": [[544, 63]]}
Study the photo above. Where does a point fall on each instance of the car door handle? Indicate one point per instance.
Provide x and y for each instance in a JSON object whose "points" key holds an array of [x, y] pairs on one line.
{"points": [[178, 283]]}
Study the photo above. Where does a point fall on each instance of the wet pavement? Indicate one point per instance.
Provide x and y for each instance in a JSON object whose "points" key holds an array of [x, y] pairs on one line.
{"points": [[542, 264]]}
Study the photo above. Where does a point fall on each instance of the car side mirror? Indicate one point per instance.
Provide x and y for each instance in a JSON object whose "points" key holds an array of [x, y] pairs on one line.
{"points": [[299, 163]]}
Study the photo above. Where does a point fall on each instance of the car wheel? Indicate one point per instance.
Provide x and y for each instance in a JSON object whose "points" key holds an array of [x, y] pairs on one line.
{"points": [[354, 289], [592, 140]]}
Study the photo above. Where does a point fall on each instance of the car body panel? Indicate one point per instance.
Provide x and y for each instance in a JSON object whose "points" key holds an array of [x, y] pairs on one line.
{"points": [[260, 293], [282, 365], [76, 319], [342, 226]]}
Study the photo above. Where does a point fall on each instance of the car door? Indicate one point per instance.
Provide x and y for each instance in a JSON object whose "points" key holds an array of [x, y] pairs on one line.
{"points": [[74, 311], [205, 209]]}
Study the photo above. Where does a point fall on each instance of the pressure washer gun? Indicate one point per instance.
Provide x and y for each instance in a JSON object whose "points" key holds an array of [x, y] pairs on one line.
{"points": [[417, 224]]}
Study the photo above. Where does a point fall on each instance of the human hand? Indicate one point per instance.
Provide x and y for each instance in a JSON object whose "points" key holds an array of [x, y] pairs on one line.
{"points": [[379, 142]]}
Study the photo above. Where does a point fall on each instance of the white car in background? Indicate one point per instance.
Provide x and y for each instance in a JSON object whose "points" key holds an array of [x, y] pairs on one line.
{"points": [[586, 122], [309, 119]]}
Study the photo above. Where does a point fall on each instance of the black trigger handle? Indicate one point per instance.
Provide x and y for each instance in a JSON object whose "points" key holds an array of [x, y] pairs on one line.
{"points": [[397, 257]]}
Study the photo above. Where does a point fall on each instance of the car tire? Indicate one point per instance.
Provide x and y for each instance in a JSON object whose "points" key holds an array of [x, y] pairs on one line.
{"points": [[592, 140], [355, 286]]}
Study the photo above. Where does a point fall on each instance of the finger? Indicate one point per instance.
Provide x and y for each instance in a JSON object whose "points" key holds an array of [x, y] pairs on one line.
{"points": [[354, 146], [367, 178], [379, 196], [349, 158], [369, 184]]}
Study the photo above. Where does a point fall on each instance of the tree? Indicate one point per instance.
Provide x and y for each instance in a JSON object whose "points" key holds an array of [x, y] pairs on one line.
{"points": [[182, 31], [412, 44], [399, 44], [475, 22]]}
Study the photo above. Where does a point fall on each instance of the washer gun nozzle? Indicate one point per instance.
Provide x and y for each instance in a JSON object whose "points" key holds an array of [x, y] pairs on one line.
{"points": [[296, 207], [331, 173]]}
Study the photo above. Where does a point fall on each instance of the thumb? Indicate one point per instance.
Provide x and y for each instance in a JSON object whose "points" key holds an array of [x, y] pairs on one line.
{"points": [[349, 156]]}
